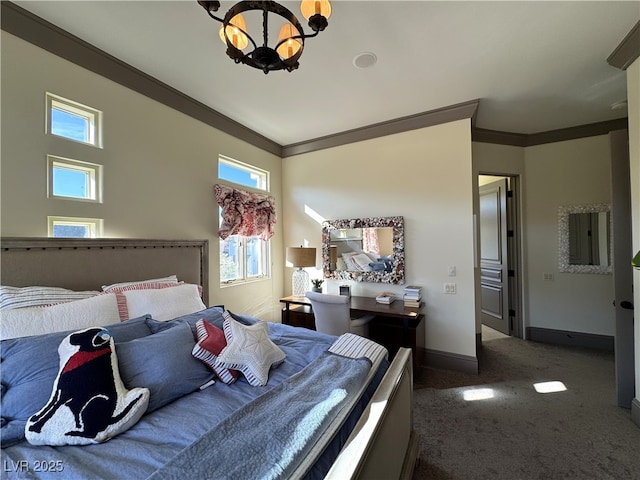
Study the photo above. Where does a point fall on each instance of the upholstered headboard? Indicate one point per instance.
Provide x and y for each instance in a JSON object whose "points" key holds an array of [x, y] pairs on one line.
{"points": [[87, 264]]}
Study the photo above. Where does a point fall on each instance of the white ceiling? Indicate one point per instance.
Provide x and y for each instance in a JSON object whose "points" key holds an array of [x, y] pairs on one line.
{"points": [[534, 66]]}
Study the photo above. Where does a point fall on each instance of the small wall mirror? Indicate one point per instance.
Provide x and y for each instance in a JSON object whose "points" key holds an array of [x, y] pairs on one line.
{"points": [[364, 249], [585, 238]]}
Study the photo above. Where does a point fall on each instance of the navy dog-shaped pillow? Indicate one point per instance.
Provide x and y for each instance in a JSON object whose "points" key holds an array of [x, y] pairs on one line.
{"points": [[89, 402]]}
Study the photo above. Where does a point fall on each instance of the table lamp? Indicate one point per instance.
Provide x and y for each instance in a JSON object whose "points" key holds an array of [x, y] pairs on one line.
{"points": [[300, 257]]}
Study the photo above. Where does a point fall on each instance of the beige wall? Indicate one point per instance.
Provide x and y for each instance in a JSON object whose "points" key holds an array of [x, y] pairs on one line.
{"points": [[575, 172], [159, 166], [423, 175]]}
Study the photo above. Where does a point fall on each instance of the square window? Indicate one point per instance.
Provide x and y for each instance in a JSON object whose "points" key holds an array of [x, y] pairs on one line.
{"points": [[74, 179], [73, 121], [72, 227], [243, 259]]}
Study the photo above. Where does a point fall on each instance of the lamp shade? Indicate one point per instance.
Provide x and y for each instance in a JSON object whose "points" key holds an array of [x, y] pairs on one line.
{"points": [[301, 256], [291, 45], [310, 8], [235, 31]]}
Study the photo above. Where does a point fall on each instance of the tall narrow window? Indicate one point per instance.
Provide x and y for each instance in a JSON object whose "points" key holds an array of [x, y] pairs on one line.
{"points": [[242, 258], [74, 121], [74, 179], [72, 227]]}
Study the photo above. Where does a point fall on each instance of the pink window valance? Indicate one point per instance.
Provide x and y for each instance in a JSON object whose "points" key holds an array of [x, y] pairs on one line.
{"points": [[245, 213], [370, 242]]}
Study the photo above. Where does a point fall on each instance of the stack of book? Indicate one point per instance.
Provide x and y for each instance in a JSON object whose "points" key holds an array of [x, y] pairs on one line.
{"points": [[385, 297], [412, 296]]}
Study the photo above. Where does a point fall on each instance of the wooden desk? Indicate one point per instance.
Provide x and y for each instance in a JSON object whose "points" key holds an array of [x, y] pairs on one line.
{"points": [[394, 325]]}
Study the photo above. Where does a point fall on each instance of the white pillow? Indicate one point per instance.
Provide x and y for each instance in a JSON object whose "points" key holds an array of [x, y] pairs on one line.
{"points": [[169, 279], [166, 303], [358, 261], [90, 312]]}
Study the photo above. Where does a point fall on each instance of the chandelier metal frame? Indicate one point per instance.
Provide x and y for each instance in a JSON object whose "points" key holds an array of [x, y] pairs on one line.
{"points": [[262, 56]]}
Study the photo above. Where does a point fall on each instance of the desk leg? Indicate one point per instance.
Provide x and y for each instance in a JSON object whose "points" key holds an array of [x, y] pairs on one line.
{"points": [[285, 315], [405, 333]]}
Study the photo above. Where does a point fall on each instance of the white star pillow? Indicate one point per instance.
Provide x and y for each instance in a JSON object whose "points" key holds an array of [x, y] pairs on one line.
{"points": [[250, 350]]}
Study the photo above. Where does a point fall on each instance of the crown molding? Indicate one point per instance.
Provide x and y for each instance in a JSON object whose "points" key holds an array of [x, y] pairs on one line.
{"points": [[483, 135], [581, 131], [37, 31], [628, 51], [551, 136], [390, 127]]}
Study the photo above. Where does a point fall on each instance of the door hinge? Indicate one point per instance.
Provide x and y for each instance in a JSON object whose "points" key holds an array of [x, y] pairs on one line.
{"points": [[512, 313], [509, 193], [511, 273], [510, 233]]}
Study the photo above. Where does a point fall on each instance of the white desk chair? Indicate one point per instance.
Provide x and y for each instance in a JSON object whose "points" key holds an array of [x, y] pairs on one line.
{"points": [[333, 315]]}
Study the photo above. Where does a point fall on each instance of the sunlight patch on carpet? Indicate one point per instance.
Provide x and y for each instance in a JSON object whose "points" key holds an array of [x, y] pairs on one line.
{"points": [[549, 387], [474, 394]]}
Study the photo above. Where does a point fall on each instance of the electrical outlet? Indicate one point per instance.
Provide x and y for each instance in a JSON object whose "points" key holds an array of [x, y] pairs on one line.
{"points": [[547, 277], [450, 288], [452, 270]]}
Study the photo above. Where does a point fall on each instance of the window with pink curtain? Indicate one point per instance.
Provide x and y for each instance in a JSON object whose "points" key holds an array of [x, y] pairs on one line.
{"points": [[370, 241], [245, 213]]}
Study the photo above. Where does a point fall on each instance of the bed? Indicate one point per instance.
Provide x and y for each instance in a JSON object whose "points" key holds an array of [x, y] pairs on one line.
{"points": [[362, 431]]}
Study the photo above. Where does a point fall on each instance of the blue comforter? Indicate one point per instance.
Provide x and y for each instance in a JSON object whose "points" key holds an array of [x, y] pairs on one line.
{"points": [[164, 433]]}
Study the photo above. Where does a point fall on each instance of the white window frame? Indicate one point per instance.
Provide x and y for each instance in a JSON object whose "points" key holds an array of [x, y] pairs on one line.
{"points": [[91, 115], [262, 175], [95, 225], [244, 275], [263, 186], [93, 173]]}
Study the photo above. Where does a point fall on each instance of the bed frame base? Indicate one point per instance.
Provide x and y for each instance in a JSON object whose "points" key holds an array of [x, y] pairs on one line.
{"points": [[383, 443]]}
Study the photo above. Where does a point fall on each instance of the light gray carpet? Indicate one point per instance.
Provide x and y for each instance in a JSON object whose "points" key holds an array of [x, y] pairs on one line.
{"points": [[579, 433]]}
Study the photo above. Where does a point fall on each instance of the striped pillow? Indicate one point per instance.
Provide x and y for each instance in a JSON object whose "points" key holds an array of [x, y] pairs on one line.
{"points": [[149, 285], [355, 346], [173, 279], [36, 296], [142, 286], [211, 342]]}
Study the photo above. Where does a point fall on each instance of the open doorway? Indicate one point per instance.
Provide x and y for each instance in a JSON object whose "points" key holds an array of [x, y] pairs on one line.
{"points": [[500, 258]]}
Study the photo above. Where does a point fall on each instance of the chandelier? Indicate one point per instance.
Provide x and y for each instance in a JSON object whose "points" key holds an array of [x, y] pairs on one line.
{"points": [[284, 54]]}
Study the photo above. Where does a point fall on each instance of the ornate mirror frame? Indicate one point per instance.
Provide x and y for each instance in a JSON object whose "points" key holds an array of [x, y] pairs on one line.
{"points": [[396, 276], [563, 237]]}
